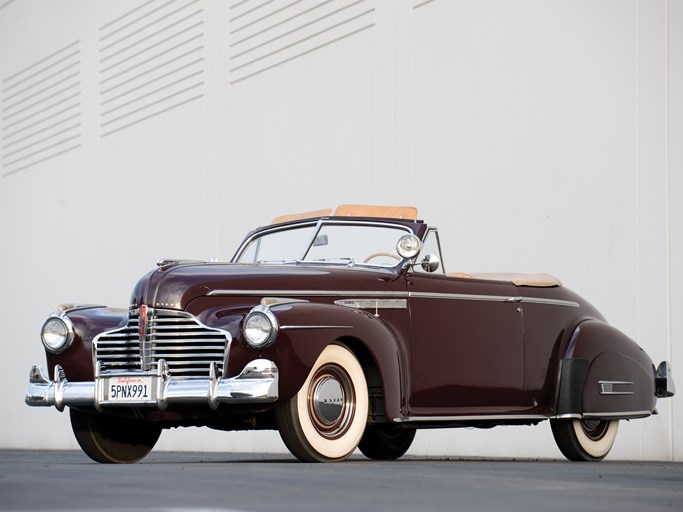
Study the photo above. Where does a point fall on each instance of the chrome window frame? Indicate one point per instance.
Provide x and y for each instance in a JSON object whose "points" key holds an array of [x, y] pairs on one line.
{"points": [[319, 223], [259, 233], [421, 253]]}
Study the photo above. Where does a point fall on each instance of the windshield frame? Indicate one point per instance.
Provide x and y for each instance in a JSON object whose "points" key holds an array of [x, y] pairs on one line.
{"points": [[318, 225]]}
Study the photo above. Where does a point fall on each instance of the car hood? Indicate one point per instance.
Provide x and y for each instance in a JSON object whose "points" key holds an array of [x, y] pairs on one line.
{"points": [[176, 286]]}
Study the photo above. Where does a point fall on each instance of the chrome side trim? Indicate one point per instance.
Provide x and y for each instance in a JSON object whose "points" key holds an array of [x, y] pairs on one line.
{"points": [[401, 295], [294, 327], [373, 303], [494, 298], [607, 387], [551, 302], [306, 293], [461, 296], [418, 419], [257, 383], [511, 417], [623, 414], [567, 417]]}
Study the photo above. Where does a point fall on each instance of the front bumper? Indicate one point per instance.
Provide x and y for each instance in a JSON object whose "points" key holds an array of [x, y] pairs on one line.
{"points": [[257, 383]]}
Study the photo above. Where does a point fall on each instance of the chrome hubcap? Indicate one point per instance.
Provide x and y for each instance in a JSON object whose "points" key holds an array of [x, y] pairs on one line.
{"points": [[594, 429], [328, 400], [331, 401]]}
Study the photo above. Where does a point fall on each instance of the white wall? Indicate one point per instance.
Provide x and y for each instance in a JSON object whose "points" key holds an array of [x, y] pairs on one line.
{"points": [[538, 135]]}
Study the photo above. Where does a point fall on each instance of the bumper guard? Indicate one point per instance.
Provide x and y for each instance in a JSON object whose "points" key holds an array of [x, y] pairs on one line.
{"points": [[664, 382]]}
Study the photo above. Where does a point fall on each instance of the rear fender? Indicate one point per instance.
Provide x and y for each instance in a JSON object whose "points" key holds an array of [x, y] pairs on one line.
{"points": [[605, 374]]}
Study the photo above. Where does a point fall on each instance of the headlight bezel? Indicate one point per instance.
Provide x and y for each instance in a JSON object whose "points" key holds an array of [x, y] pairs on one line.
{"points": [[408, 246], [57, 318], [260, 313]]}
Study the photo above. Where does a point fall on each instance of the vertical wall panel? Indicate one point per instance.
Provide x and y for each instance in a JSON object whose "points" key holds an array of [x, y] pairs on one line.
{"points": [[151, 61], [538, 135], [674, 169], [652, 272], [318, 120], [41, 110], [269, 34]]}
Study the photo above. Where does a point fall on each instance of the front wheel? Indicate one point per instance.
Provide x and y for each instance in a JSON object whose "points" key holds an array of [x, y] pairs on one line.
{"points": [[584, 440], [325, 420], [386, 442], [113, 439]]}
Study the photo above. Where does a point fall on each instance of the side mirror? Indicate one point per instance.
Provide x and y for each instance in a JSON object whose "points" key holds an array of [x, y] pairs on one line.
{"points": [[430, 263]]}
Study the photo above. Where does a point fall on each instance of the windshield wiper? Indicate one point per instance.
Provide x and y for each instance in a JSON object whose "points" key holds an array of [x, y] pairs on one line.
{"points": [[275, 262], [347, 261]]}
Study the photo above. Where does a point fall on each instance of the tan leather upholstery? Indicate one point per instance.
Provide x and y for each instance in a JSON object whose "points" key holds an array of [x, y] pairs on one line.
{"points": [[391, 212], [355, 210], [536, 280], [461, 275], [300, 216]]}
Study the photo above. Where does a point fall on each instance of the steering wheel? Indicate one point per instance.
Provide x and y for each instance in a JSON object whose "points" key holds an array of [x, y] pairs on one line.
{"points": [[378, 254]]}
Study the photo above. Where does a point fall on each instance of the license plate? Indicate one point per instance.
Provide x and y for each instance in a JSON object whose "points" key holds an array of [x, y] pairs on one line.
{"points": [[129, 390]]}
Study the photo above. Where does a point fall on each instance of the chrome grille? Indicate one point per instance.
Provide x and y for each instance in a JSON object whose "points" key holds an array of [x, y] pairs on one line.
{"points": [[187, 346]]}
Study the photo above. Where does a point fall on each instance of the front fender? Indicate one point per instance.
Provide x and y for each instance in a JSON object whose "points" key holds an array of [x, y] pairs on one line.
{"points": [[88, 322], [307, 328], [605, 374]]}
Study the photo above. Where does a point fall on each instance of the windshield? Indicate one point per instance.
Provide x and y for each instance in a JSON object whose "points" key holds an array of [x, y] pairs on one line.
{"points": [[371, 244]]}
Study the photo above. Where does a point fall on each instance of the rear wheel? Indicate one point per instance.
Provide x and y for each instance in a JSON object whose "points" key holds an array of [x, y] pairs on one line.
{"points": [[325, 420], [113, 439], [386, 442], [584, 440]]}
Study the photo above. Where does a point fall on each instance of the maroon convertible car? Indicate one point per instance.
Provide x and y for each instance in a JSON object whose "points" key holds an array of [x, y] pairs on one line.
{"points": [[341, 331]]}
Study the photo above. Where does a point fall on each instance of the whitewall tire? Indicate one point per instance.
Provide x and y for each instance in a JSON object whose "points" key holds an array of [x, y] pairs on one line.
{"points": [[325, 420], [585, 440]]}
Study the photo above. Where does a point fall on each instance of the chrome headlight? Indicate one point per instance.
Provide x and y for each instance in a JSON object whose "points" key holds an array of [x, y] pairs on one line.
{"points": [[57, 333], [260, 327], [408, 246]]}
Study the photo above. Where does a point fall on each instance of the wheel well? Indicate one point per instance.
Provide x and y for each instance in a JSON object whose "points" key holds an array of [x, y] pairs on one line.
{"points": [[372, 376]]}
